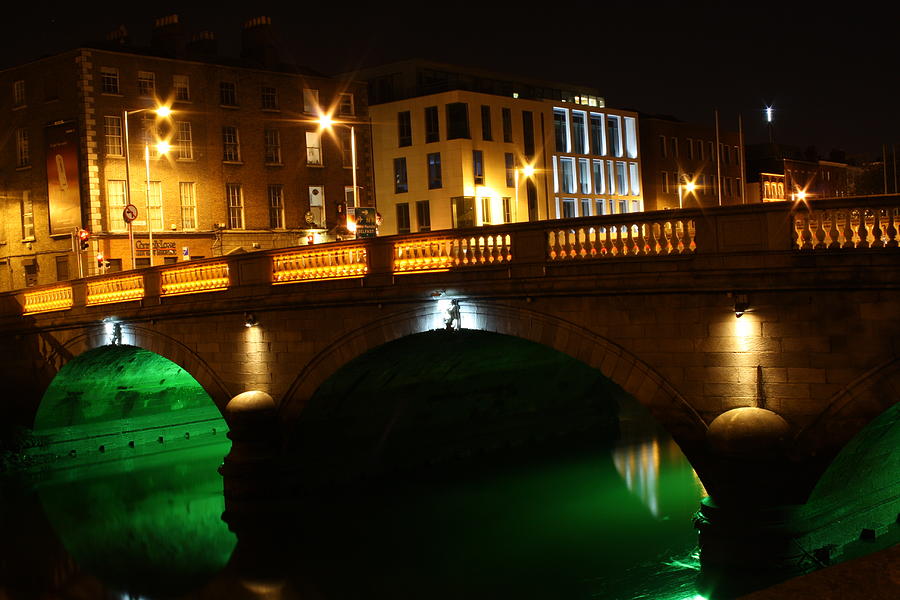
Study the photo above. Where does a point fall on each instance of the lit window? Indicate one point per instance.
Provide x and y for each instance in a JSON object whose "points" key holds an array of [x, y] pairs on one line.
{"points": [[113, 130], [317, 205], [584, 175], [401, 183], [599, 179], [561, 129], [23, 154], [635, 179], [27, 216], [187, 191], [510, 163], [579, 133], [568, 208], [156, 208], [486, 210], [182, 86], [598, 139], [614, 135], [185, 140], [345, 104], [235, 197], [115, 201], [310, 101], [478, 166], [313, 148], [231, 145], [631, 137], [567, 175]]}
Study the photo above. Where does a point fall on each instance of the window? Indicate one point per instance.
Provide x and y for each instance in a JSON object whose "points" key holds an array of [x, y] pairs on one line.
{"points": [[184, 140], [276, 206], [599, 179], [112, 127], [227, 93], [317, 204], [486, 123], [423, 215], [311, 101], [478, 166], [528, 134], [486, 210], [403, 217], [19, 93], [585, 207], [579, 133], [709, 151], [457, 121], [346, 147], [188, 194], [109, 80], [561, 129], [690, 148], [404, 129], [182, 86], [631, 137], [462, 211], [146, 81], [621, 179], [235, 197], [598, 141], [568, 206], [432, 124], [434, 171], [673, 147], [506, 115], [614, 135], [510, 162], [401, 183], [27, 216], [231, 145], [269, 98], [62, 268], [699, 149], [662, 146], [31, 276], [273, 146], [345, 104], [567, 175], [584, 175], [313, 148], [115, 202], [664, 182], [349, 197], [156, 209], [507, 210], [635, 179], [23, 155], [610, 178]]}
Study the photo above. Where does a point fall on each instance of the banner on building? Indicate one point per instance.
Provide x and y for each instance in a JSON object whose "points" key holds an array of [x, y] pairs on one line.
{"points": [[63, 182], [365, 221]]}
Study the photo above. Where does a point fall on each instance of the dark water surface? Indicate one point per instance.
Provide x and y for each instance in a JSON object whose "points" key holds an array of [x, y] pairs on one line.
{"points": [[560, 523]]}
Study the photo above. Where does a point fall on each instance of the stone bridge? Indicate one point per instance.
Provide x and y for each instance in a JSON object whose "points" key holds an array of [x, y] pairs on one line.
{"points": [[765, 338]]}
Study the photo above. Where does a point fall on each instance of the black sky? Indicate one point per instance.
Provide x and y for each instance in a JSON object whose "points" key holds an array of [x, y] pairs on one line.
{"points": [[831, 73]]}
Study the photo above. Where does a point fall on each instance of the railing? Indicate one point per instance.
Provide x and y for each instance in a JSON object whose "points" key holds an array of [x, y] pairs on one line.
{"points": [[194, 279], [635, 237], [843, 227], [116, 289], [315, 264], [50, 299], [444, 253], [846, 224]]}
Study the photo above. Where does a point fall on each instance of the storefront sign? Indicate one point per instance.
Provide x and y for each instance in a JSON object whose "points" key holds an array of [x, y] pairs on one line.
{"points": [[160, 248]]}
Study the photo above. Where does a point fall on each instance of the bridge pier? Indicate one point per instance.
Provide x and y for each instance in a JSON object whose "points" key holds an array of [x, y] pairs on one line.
{"points": [[250, 470]]}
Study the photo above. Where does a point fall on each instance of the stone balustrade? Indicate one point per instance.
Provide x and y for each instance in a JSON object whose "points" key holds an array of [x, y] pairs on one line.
{"points": [[870, 223]]}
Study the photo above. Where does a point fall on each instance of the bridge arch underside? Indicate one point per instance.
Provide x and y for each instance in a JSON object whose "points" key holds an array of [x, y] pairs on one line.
{"points": [[438, 396], [117, 400]]}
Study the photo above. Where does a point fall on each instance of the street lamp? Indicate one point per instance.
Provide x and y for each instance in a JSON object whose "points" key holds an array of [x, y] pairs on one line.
{"points": [[688, 187], [162, 147], [326, 122], [527, 171]]}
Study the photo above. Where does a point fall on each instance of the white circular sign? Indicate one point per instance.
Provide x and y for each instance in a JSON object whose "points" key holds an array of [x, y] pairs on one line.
{"points": [[130, 213]]}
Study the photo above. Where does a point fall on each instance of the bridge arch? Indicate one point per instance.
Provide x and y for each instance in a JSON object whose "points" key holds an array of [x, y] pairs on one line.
{"points": [[56, 355], [623, 368]]}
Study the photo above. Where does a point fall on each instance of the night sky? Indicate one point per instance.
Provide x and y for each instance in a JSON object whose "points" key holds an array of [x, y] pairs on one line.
{"points": [[832, 75]]}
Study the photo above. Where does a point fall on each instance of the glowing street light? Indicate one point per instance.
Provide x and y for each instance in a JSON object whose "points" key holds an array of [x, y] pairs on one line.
{"points": [[688, 187], [527, 171], [163, 147]]}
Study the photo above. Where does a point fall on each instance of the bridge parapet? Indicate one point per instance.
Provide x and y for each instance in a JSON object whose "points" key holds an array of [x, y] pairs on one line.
{"points": [[871, 223]]}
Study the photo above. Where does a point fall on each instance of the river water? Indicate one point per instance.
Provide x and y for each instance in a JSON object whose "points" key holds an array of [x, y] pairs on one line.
{"points": [[611, 523]]}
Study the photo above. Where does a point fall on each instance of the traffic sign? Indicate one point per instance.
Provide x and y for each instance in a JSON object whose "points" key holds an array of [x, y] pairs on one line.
{"points": [[130, 213]]}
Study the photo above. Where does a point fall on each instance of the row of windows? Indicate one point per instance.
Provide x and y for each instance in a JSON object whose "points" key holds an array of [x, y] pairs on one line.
{"points": [[435, 179], [234, 195], [231, 142], [457, 124], [696, 149], [423, 216], [569, 208], [591, 176], [599, 134], [704, 184]]}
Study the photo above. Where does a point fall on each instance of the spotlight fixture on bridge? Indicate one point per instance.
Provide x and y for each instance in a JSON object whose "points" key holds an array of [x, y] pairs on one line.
{"points": [[113, 331], [741, 305], [250, 320]]}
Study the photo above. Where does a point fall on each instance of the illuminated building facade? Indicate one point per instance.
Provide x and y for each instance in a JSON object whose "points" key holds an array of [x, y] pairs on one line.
{"points": [[248, 166], [680, 161], [779, 172], [455, 148]]}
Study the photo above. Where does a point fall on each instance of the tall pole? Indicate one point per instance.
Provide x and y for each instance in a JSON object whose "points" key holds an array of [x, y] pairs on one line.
{"points": [[741, 160], [149, 216], [353, 160], [128, 182], [884, 165], [894, 148], [718, 160]]}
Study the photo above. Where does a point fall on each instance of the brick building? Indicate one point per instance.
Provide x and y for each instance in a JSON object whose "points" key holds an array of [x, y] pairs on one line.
{"points": [[249, 165], [681, 157], [780, 172]]}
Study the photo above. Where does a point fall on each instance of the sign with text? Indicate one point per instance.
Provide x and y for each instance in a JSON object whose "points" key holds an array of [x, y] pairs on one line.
{"points": [[63, 183], [365, 221], [160, 248]]}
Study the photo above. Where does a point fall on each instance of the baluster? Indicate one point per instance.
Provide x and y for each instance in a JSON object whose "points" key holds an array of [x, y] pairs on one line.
{"points": [[617, 244], [863, 229], [655, 234], [877, 232], [819, 233], [628, 230], [892, 215], [834, 229], [642, 248], [608, 241], [848, 231]]}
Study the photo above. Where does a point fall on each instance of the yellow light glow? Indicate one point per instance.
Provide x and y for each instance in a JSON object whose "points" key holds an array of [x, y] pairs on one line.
{"points": [[163, 147], [163, 111], [690, 186], [194, 279], [115, 289], [306, 265], [528, 170], [325, 121], [57, 298]]}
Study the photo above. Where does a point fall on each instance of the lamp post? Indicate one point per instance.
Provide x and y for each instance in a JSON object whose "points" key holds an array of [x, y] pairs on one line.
{"points": [[527, 171], [326, 122], [161, 111]]}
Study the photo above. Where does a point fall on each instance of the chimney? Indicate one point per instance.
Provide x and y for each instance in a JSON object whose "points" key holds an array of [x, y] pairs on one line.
{"points": [[203, 45], [258, 42], [167, 38], [119, 35]]}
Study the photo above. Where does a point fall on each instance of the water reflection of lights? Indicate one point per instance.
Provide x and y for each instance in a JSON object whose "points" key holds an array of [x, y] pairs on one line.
{"points": [[639, 466]]}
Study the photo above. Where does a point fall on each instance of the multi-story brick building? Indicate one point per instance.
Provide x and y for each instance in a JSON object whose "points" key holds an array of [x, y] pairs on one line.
{"points": [[779, 172], [680, 161], [249, 166], [457, 147]]}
